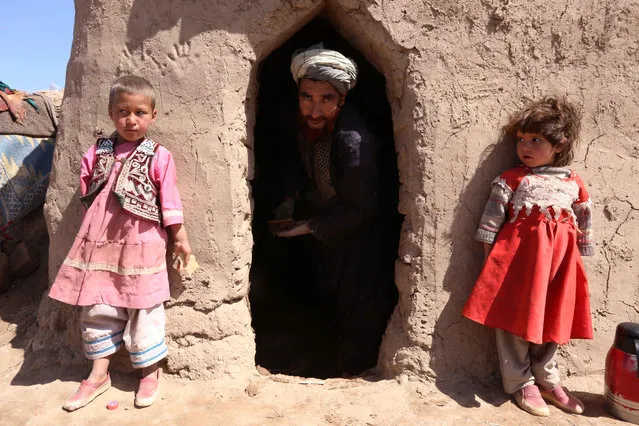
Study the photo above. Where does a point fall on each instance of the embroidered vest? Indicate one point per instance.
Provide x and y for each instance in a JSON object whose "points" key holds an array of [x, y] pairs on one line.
{"points": [[134, 188]]}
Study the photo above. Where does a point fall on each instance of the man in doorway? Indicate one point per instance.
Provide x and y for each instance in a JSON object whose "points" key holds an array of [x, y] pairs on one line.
{"points": [[340, 206]]}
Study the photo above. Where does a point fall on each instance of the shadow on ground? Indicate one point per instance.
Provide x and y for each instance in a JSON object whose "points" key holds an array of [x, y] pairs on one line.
{"points": [[473, 344]]}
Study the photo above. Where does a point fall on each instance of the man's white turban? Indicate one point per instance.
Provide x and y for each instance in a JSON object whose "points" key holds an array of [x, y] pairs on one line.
{"points": [[324, 65]]}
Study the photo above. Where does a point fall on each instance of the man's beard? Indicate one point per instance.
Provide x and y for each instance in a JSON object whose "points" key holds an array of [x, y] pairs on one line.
{"points": [[308, 119], [311, 134]]}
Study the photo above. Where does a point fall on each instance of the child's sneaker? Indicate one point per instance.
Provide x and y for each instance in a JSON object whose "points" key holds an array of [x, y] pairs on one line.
{"points": [[529, 399], [86, 393], [149, 390], [562, 399]]}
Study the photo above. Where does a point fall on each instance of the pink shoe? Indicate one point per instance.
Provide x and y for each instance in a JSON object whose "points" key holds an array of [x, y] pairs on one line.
{"points": [[149, 390], [562, 399], [86, 393], [529, 399]]}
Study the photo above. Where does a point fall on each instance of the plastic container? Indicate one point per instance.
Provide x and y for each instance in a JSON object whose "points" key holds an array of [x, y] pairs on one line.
{"points": [[622, 376]]}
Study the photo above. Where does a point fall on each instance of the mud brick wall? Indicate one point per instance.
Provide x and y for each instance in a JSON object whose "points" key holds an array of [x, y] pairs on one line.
{"points": [[454, 71]]}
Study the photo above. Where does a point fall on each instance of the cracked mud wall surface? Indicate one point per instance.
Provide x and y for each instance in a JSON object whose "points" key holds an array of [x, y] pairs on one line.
{"points": [[454, 70], [476, 64]]}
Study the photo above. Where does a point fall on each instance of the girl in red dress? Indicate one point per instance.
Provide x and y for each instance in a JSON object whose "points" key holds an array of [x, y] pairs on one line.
{"points": [[535, 228]]}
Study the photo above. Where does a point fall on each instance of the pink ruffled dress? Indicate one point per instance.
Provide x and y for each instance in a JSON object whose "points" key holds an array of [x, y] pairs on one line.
{"points": [[118, 259]]}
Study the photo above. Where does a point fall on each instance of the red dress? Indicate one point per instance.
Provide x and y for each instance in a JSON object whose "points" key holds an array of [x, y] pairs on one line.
{"points": [[533, 283]]}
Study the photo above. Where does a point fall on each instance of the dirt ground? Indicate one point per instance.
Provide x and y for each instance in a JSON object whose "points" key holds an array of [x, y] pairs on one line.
{"points": [[35, 397]]}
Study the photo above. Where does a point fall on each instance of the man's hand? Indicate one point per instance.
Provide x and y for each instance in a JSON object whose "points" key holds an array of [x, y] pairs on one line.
{"points": [[300, 228], [181, 246]]}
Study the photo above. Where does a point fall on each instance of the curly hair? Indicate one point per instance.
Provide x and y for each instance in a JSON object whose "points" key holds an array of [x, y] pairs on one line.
{"points": [[557, 120]]}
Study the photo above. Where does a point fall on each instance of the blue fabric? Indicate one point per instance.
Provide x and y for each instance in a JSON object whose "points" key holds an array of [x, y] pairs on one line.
{"points": [[25, 166]]}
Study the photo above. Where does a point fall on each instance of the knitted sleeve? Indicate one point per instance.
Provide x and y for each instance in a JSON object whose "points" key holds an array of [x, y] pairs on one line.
{"points": [[495, 211], [583, 212]]}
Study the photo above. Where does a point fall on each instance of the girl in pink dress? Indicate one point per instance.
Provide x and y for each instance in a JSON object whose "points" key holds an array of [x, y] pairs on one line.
{"points": [[535, 228], [116, 269]]}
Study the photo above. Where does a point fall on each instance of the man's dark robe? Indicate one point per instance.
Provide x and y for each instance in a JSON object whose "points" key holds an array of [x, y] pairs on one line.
{"points": [[348, 240]]}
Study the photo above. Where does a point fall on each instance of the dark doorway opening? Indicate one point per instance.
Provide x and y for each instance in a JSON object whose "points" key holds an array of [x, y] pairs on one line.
{"points": [[295, 326]]}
